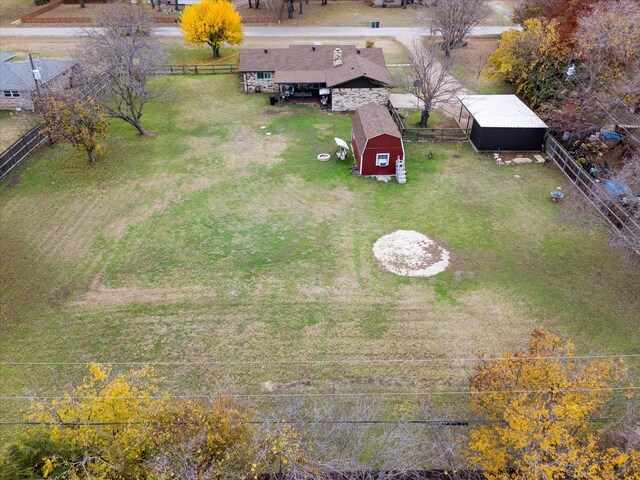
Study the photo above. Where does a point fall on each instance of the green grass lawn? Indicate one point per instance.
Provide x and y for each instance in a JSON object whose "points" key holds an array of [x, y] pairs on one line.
{"points": [[437, 119], [216, 241]]}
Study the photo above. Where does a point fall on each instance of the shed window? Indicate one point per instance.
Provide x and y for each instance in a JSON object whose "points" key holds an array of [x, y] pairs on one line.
{"points": [[11, 94], [382, 160], [264, 75]]}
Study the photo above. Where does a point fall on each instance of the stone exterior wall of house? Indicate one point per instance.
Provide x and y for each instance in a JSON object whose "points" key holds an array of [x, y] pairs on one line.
{"points": [[250, 82], [24, 101], [343, 99]]}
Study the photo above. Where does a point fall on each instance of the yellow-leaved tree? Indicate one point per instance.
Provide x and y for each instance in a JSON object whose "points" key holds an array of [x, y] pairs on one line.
{"points": [[212, 22], [98, 430], [117, 426], [68, 116], [540, 403], [534, 60]]}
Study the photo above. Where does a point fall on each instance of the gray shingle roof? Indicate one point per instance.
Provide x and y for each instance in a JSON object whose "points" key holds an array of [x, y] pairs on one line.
{"points": [[18, 75], [370, 121], [356, 63]]}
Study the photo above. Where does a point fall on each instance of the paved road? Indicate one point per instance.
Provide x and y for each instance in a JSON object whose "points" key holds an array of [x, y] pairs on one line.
{"points": [[250, 31]]}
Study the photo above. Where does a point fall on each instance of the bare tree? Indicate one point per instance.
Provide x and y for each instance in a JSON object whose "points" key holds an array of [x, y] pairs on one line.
{"points": [[428, 78], [608, 38], [346, 440], [454, 19], [124, 50]]}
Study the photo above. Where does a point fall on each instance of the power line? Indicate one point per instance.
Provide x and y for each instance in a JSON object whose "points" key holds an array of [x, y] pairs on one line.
{"points": [[322, 362], [433, 422], [312, 394], [264, 422]]}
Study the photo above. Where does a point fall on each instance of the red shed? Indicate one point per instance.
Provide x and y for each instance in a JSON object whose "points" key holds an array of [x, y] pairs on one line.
{"points": [[377, 142]]}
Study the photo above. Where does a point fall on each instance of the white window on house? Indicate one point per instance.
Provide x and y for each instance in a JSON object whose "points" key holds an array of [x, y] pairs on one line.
{"points": [[382, 160], [11, 94], [264, 75]]}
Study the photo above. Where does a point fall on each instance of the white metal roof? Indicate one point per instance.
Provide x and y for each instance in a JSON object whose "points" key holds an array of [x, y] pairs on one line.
{"points": [[501, 111]]}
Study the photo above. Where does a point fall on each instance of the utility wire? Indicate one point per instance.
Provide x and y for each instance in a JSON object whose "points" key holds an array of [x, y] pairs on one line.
{"points": [[321, 362], [433, 422], [320, 394]]}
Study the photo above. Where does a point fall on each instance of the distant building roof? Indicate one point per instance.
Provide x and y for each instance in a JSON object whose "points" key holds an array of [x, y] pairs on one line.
{"points": [[373, 120], [314, 64], [4, 56], [501, 111], [19, 76]]}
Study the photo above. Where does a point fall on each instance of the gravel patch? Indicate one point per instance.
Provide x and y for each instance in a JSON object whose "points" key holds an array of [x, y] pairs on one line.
{"points": [[410, 254]]}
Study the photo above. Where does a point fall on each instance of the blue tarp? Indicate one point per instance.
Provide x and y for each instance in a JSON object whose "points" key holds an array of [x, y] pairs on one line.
{"points": [[610, 136], [616, 189]]}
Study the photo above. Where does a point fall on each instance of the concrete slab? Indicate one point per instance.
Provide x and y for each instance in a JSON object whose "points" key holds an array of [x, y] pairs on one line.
{"points": [[522, 160]]}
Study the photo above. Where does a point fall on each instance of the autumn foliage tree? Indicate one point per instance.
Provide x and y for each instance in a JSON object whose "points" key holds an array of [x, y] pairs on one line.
{"points": [[122, 426], [68, 116], [540, 402], [534, 60], [202, 440], [564, 12], [212, 22]]}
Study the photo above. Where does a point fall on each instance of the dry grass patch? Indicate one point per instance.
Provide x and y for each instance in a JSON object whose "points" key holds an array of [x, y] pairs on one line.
{"points": [[295, 198], [103, 297], [470, 67], [12, 10], [248, 146], [13, 125], [46, 47], [352, 14], [165, 190]]}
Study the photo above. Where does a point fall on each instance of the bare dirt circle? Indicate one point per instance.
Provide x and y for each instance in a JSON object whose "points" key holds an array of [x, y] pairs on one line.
{"points": [[410, 254]]}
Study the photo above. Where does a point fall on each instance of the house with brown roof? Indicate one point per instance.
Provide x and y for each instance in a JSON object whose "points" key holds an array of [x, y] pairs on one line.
{"points": [[344, 77], [377, 143]]}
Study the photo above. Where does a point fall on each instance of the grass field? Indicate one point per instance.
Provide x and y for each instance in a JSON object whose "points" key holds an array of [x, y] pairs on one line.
{"points": [[215, 241], [11, 10], [13, 125], [470, 67]]}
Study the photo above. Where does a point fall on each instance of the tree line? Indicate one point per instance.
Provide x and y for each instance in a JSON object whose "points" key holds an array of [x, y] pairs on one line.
{"points": [[538, 404]]}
